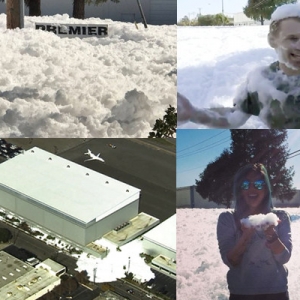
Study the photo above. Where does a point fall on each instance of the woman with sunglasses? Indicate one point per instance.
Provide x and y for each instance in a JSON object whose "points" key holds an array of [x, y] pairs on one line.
{"points": [[255, 258]]}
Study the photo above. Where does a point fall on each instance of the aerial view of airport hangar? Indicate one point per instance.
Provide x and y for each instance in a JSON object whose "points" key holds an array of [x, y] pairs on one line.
{"points": [[59, 187]]}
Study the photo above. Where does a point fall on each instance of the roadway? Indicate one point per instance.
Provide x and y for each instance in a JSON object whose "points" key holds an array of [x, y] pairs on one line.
{"points": [[40, 248]]}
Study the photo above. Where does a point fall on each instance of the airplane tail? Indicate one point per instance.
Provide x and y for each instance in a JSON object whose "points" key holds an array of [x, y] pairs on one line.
{"points": [[89, 152]]}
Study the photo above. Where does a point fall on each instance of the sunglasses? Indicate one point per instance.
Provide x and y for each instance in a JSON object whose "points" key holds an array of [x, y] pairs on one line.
{"points": [[258, 184]]}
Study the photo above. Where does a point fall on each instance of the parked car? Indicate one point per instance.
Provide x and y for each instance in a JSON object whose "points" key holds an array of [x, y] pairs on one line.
{"points": [[112, 146]]}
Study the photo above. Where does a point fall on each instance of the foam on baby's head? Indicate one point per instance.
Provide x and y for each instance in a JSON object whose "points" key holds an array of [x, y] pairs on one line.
{"points": [[291, 10], [260, 221]]}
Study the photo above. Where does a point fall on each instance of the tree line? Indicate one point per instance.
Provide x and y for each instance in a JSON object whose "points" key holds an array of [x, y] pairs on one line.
{"points": [[261, 10], [206, 20], [258, 10], [264, 146]]}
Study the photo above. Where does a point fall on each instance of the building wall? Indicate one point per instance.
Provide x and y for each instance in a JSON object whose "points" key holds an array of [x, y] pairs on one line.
{"points": [[188, 197], [157, 12], [115, 219], [154, 249], [163, 12], [61, 224]]}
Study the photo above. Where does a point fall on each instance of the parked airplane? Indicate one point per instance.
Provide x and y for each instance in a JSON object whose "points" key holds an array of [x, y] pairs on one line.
{"points": [[93, 156]]}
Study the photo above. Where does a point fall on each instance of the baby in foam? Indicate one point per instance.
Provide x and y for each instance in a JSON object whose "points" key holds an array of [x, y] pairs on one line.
{"points": [[270, 92]]}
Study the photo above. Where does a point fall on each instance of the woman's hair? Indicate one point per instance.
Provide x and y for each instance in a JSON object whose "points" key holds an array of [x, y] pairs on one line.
{"points": [[241, 207]]}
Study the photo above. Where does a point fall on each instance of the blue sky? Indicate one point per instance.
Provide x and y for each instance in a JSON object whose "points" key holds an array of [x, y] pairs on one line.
{"points": [[191, 8], [196, 148]]}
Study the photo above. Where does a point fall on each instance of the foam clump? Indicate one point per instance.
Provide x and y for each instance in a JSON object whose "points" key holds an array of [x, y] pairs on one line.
{"points": [[260, 221], [290, 10]]}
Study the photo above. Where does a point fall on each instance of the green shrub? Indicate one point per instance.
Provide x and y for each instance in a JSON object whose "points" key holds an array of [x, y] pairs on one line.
{"points": [[5, 235]]}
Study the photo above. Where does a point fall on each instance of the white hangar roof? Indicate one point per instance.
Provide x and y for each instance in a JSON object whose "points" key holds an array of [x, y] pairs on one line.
{"points": [[65, 186], [164, 234]]}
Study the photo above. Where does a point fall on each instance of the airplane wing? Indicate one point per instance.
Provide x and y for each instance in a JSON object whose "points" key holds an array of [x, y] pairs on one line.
{"points": [[90, 159], [100, 159], [95, 158]]}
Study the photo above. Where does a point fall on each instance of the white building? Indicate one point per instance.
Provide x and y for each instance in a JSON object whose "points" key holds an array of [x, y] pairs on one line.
{"points": [[162, 239], [68, 199], [240, 19]]}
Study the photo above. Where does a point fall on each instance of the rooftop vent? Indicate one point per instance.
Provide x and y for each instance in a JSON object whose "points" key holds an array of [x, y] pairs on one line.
{"points": [[49, 158]]}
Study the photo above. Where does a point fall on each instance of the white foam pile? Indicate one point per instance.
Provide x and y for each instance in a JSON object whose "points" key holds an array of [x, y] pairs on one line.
{"points": [[115, 86], [260, 221], [286, 11]]}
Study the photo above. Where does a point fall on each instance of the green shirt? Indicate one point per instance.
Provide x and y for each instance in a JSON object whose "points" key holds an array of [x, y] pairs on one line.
{"points": [[273, 96]]}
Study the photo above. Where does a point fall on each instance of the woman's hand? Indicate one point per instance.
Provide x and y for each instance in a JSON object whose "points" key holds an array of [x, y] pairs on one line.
{"points": [[273, 241], [235, 255], [247, 233], [271, 234]]}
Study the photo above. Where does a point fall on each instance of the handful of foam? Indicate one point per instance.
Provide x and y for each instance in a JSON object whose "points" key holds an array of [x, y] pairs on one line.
{"points": [[260, 221]]}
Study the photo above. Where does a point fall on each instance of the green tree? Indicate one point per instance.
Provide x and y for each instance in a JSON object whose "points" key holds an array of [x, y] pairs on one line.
{"points": [[185, 21], [261, 10], [24, 226], [206, 20], [248, 146], [215, 182], [78, 6], [5, 235], [213, 20], [166, 127], [221, 19]]}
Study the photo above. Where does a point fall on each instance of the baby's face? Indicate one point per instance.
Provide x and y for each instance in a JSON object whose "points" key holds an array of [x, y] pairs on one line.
{"points": [[288, 43]]}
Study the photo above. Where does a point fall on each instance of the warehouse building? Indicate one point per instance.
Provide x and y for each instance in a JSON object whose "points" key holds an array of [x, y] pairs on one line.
{"points": [[160, 242], [68, 199], [162, 239], [21, 281]]}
